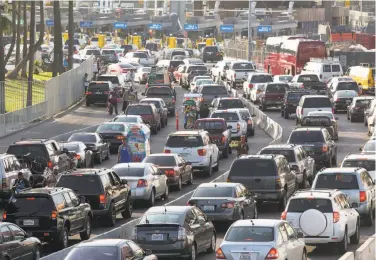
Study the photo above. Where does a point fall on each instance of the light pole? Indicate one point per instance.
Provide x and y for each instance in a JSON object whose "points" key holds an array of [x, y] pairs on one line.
{"points": [[249, 32]]}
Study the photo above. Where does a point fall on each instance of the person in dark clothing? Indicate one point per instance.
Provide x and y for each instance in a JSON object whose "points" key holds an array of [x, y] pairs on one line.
{"points": [[243, 147], [112, 100], [21, 183]]}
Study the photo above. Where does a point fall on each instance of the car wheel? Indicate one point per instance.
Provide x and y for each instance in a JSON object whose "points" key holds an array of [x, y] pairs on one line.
{"points": [[368, 220], [190, 181], [286, 115], [213, 243], [351, 119], [230, 149], [365, 121], [37, 253], [252, 133], [179, 185], [209, 170], [108, 155], [85, 235], [216, 168], [193, 252], [154, 130], [127, 213], [342, 246], [87, 103], [62, 241], [226, 152], [282, 113], [167, 191], [166, 121], [334, 160], [334, 111], [283, 202], [347, 116], [297, 120], [111, 215], [99, 159], [92, 162], [151, 200], [354, 239], [162, 123]]}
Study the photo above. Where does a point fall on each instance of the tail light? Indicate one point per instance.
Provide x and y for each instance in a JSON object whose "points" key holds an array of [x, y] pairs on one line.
{"points": [[278, 183], [272, 254], [336, 216], [142, 183], [170, 173], [223, 139], [302, 86], [119, 137], [182, 234], [356, 108], [201, 152], [362, 196], [54, 215], [333, 110], [4, 215], [284, 215], [166, 151], [258, 91], [173, 100], [228, 180], [134, 234], [337, 100], [219, 254], [4, 183], [102, 199], [238, 127], [250, 85], [202, 99], [88, 93], [324, 149], [113, 71], [147, 85], [76, 52], [320, 76], [125, 70], [228, 205], [78, 157], [301, 111], [191, 204], [50, 165]]}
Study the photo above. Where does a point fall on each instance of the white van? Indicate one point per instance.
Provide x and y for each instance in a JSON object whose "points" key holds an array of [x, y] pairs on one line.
{"points": [[323, 68]]}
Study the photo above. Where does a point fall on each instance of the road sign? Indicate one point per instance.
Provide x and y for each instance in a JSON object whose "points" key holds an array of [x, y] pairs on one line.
{"points": [[190, 27], [120, 25], [86, 24], [264, 28], [155, 26], [226, 28], [50, 23]]}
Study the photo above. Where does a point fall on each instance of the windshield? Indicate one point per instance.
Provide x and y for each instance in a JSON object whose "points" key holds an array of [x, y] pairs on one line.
{"points": [[113, 79], [369, 164], [204, 82], [125, 171], [301, 205], [140, 55], [289, 154], [214, 192], [339, 181], [317, 102], [151, 46], [253, 168], [210, 49], [82, 138], [299, 137], [284, 78], [193, 68], [316, 121], [307, 78], [81, 183], [228, 117], [184, 141], [158, 218], [261, 78], [30, 204], [214, 126], [175, 63], [230, 103], [71, 147], [138, 110], [93, 52], [220, 90], [156, 103], [161, 160], [370, 146], [243, 66], [345, 94], [108, 52], [250, 234], [292, 96], [111, 127], [276, 88], [159, 91], [348, 86], [98, 87], [22, 150], [125, 119], [93, 253]]}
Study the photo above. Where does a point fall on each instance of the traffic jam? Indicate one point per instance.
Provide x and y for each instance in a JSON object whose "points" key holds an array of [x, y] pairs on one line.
{"points": [[232, 199]]}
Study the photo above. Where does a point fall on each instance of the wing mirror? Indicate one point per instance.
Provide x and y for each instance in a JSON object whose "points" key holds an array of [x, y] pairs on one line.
{"points": [[180, 164], [229, 127], [371, 124], [337, 118], [360, 149], [300, 235], [124, 182], [188, 163], [295, 168], [253, 115], [82, 199], [143, 94]]}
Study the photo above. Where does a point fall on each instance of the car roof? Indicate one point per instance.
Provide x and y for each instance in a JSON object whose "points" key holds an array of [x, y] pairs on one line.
{"points": [[335, 170], [137, 116], [162, 154], [218, 184], [187, 132], [231, 110], [280, 146], [360, 156], [132, 165], [151, 99], [87, 171], [301, 129], [175, 209], [315, 96], [101, 242], [258, 222], [317, 193]]}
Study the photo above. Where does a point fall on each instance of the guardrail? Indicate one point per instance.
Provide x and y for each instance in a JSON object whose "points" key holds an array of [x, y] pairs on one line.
{"points": [[365, 252]]}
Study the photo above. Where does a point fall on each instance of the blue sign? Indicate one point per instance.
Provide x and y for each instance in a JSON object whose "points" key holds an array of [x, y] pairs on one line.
{"points": [[190, 27], [86, 24], [264, 28], [227, 28], [155, 26], [120, 25], [50, 23]]}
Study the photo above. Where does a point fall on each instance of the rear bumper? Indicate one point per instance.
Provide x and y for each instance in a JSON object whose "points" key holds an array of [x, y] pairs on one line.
{"points": [[363, 209], [290, 109], [272, 102], [179, 248], [340, 106], [97, 100], [321, 159], [357, 114], [227, 215], [273, 196], [203, 164], [97, 213], [45, 235], [140, 194], [173, 180]]}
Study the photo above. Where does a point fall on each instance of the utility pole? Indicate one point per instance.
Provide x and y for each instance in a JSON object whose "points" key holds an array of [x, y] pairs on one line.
{"points": [[249, 31]]}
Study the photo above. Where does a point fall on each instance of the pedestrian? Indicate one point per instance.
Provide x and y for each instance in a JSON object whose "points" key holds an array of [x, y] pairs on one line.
{"points": [[112, 99], [124, 152], [243, 147], [125, 99], [65, 63]]}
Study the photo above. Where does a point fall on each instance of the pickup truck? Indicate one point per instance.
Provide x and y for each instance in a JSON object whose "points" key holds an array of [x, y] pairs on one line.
{"points": [[142, 58], [164, 92], [238, 71], [320, 121], [310, 82], [219, 132]]}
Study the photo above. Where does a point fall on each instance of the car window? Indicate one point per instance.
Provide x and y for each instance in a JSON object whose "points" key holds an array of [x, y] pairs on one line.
{"points": [[184, 141], [139, 110], [199, 214], [137, 251], [83, 138], [129, 171], [116, 178], [59, 201], [81, 183], [6, 234], [219, 90], [227, 116], [214, 192], [339, 181], [283, 233], [161, 160], [253, 168], [290, 231], [230, 103], [159, 91], [28, 204], [68, 200], [302, 204], [289, 154], [250, 234], [317, 102], [306, 137], [112, 127], [369, 165], [190, 217], [17, 232]]}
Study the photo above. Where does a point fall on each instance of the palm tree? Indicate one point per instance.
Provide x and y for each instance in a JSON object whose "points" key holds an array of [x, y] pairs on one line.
{"points": [[70, 34], [18, 37], [58, 41], [24, 49]]}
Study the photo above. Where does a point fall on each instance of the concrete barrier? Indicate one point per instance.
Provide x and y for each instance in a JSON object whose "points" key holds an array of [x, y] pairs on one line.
{"points": [[367, 250], [347, 256]]}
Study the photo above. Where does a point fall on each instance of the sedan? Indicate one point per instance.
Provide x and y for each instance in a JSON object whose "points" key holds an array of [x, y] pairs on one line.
{"points": [[175, 231], [355, 111], [146, 181], [262, 239], [113, 133], [93, 142], [17, 244], [225, 201], [177, 170], [109, 249], [195, 85], [247, 117], [130, 120], [342, 99], [84, 155]]}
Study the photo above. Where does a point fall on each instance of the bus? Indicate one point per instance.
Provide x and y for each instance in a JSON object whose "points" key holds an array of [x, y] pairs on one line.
{"points": [[288, 55]]}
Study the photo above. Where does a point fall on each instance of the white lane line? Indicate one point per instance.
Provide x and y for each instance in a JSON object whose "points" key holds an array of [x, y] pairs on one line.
{"points": [[73, 131]]}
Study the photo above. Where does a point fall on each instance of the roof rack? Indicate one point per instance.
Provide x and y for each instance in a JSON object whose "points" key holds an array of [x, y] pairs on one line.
{"points": [[319, 191], [34, 139]]}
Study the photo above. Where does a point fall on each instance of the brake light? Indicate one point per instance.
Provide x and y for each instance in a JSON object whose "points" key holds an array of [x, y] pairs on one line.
{"points": [[272, 254], [250, 85], [125, 70], [173, 100], [182, 234], [219, 254], [102, 199], [88, 93], [238, 127], [170, 173], [234, 75], [54, 214], [302, 86], [278, 183], [324, 149], [333, 110], [202, 99], [337, 100], [228, 205], [320, 76], [190, 204], [336, 216], [142, 183], [113, 70], [228, 180], [75, 52], [119, 137], [167, 151], [201, 152], [78, 157], [50, 165], [356, 108], [301, 111], [284, 215], [362, 196], [4, 215]]}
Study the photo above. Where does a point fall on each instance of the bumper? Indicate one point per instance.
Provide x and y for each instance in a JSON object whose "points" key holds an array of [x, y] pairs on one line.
{"points": [[290, 109], [341, 106], [173, 180], [273, 196], [140, 194], [272, 103], [179, 248], [362, 209], [201, 165], [357, 114], [45, 235], [97, 100], [227, 215]]}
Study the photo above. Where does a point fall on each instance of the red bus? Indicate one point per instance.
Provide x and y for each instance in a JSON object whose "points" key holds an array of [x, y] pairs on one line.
{"points": [[292, 54]]}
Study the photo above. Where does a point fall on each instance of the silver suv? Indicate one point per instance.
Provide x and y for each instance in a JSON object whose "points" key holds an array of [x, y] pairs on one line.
{"points": [[356, 183]]}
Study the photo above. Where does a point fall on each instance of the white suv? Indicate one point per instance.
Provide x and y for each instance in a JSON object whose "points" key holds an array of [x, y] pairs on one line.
{"points": [[323, 216], [234, 119], [196, 147], [311, 103]]}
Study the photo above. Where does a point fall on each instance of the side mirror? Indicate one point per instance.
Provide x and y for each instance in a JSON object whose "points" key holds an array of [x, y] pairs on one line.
{"points": [[28, 234], [124, 182], [82, 199], [148, 252], [360, 149], [371, 124], [295, 168], [244, 79], [354, 205], [253, 115], [180, 164], [229, 92], [229, 127], [65, 150], [300, 235]]}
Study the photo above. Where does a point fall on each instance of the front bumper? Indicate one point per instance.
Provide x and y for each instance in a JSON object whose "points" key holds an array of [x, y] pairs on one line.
{"points": [[178, 248]]}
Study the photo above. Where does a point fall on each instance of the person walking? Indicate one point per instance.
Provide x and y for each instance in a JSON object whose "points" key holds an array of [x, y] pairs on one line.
{"points": [[124, 152], [65, 63], [243, 147], [112, 100]]}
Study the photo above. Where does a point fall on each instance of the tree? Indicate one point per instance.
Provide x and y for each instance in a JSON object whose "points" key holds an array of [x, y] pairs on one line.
{"points": [[29, 99], [58, 41], [70, 35], [14, 32], [24, 49], [18, 37]]}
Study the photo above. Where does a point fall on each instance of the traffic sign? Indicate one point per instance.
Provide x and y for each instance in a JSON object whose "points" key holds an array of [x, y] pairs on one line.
{"points": [[226, 28], [264, 28], [155, 26], [50, 23], [190, 27], [120, 25], [86, 24]]}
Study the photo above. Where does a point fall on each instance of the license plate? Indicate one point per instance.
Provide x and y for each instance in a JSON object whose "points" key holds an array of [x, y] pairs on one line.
{"points": [[245, 256], [209, 208], [98, 92], [157, 237], [184, 154], [28, 222]]}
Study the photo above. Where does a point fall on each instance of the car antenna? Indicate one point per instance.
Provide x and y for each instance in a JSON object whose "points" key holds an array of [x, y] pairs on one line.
{"points": [[146, 219]]}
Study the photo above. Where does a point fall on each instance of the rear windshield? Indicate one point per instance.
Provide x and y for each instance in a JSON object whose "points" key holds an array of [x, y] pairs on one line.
{"points": [[93, 252], [111, 127], [261, 79], [337, 181], [369, 164], [346, 94], [125, 171], [193, 68], [108, 52], [176, 53], [347, 86], [316, 121], [93, 52], [158, 218], [94, 39], [317, 102], [230, 103], [126, 66], [151, 46], [243, 66], [140, 55], [114, 80], [290, 156], [299, 137], [71, 147], [228, 117], [28, 205], [301, 205], [138, 110], [175, 63], [126, 119], [157, 104], [184, 141], [210, 125], [214, 90], [21, 150], [250, 234], [253, 167], [158, 91], [161, 160], [83, 138], [362, 103], [99, 86], [296, 96], [276, 88], [211, 49], [81, 183], [214, 192], [305, 78]]}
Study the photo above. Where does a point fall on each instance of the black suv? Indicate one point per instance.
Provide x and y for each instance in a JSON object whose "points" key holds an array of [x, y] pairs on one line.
{"points": [[269, 176], [103, 190], [318, 144], [211, 53], [50, 214], [290, 101], [38, 154]]}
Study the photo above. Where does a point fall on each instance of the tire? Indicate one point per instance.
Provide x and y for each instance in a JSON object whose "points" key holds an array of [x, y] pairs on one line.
{"points": [[159, 127], [190, 181], [283, 202], [162, 124], [287, 115], [127, 213], [230, 150], [334, 161], [111, 215], [99, 159], [335, 111], [328, 164], [151, 199], [193, 252], [87, 103], [62, 241], [216, 168], [85, 235], [352, 119], [347, 116], [354, 239], [368, 219], [37, 253], [297, 121], [167, 192], [255, 213], [343, 245], [108, 155], [179, 185], [92, 163], [282, 113], [365, 121], [209, 171], [212, 245], [226, 152], [252, 133], [154, 130]]}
